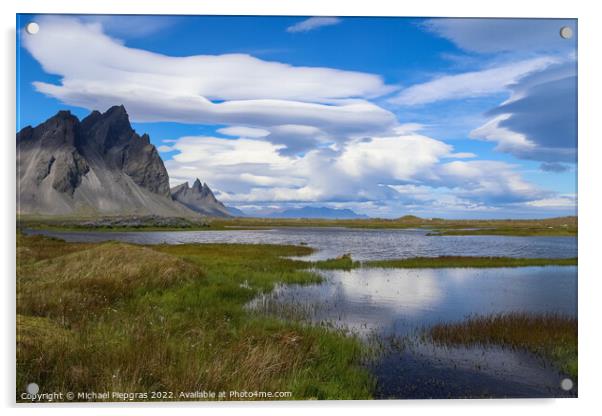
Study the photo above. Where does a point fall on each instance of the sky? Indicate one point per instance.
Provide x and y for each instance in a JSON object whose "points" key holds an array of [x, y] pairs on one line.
{"points": [[452, 118]]}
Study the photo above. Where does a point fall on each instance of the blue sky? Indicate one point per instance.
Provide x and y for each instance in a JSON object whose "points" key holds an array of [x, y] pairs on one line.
{"points": [[456, 118]]}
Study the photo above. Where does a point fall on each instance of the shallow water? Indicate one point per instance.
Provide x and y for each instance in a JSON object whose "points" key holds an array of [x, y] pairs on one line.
{"points": [[400, 303], [362, 244], [396, 301]]}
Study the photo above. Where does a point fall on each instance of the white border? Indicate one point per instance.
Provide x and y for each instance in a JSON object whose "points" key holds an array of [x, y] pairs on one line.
{"points": [[590, 24]]}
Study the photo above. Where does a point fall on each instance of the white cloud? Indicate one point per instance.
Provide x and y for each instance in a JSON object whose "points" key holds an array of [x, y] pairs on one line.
{"points": [[313, 23], [242, 131], [231, 89], [397, 158], [164, 148], [408, 128], [461, 155], [507, 140], [489, 181], [470, 84], [396, 171], [505, 35], [557, 202]]}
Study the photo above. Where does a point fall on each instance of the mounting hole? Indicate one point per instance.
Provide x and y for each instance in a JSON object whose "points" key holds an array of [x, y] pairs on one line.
{"points": [[566, 32], [33, 388], [566, 384], [32, 28]]}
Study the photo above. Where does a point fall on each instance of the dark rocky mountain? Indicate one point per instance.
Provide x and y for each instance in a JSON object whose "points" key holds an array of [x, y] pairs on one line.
{"points": [[99, 165], [200, 198], [317, 212]]}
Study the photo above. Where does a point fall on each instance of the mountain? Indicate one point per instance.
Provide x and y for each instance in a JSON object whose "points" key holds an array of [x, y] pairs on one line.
{"points": [[98, 165], [318, 212], [235, 212], [200, 198]]}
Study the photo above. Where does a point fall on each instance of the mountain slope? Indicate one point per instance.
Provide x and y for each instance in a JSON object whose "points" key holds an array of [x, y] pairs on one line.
{"points": [[200, 198], [97, 166]]}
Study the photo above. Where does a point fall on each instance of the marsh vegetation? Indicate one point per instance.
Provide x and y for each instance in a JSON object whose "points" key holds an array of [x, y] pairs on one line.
{"points": [[552, 336], [129, 318], [115, 316]]}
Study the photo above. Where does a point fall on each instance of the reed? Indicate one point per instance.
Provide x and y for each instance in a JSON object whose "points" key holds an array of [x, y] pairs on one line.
{"points": [[553, 336]]}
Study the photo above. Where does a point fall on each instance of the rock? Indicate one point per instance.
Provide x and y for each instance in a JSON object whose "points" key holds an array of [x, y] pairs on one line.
{"points": [[70, 168], [97, 166], [200, 198]]}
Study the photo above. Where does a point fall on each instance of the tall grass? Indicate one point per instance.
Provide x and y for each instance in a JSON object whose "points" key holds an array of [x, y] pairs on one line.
{"points": [[347, 263], [467, 261], [121, 317], [551, 335]]}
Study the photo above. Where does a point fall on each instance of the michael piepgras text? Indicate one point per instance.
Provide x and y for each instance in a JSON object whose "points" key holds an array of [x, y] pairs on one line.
{"points": [[156, 395]]}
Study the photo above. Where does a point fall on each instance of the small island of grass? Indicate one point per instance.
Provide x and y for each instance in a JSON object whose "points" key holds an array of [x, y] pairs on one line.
{"points": [[347, 263], [549, 335]]}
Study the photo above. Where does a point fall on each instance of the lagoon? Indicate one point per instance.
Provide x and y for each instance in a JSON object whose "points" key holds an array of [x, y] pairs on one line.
{"points": [[362, 244]]}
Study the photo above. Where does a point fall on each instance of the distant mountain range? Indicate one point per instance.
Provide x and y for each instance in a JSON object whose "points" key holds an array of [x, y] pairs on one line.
{"points": [[317, 212], [100, 166]]}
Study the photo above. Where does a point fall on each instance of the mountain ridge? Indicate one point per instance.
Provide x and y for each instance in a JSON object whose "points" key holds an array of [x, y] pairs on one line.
{"points": [[200, 198], [96, 166]]}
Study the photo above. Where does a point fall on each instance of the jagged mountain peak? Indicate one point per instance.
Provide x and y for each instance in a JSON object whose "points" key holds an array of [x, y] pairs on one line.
{"points": [[197, 186], [98, 165], [199, 197]]}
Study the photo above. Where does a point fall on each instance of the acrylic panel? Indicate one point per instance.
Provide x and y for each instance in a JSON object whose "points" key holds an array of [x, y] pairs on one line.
{"points": [[295, 208]]}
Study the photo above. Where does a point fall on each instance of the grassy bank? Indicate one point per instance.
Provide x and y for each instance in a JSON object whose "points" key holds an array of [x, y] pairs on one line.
{"points": [[347, 263], [548, 335], [120, 317], [561, 226]]}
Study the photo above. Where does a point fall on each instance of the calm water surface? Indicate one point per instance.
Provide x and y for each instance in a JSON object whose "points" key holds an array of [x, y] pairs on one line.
{"points": [[362, 244], [401, 303]]}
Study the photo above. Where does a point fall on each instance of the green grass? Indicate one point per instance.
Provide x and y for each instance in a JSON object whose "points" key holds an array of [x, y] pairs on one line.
{"points": [[560, 226], [121, 317], [549, 335], [347, 263], [473, 262], [512, 231]]}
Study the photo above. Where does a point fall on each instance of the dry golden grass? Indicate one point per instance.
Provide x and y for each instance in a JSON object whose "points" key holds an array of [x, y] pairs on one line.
{"points": [[83, 282]]}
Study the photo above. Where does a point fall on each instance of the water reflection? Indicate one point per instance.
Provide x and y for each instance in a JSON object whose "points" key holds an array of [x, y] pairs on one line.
{"points": [[400, 300], [393, 303]]}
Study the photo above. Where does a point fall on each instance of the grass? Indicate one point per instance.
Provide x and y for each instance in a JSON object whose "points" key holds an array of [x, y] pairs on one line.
{"points": [[549, 335], [560, 226], [466, 261], [345, 262], [511, 231], [121, 317]]}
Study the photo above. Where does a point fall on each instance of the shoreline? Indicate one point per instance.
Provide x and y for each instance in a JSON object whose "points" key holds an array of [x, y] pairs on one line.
{"points": [[549, 227]]}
